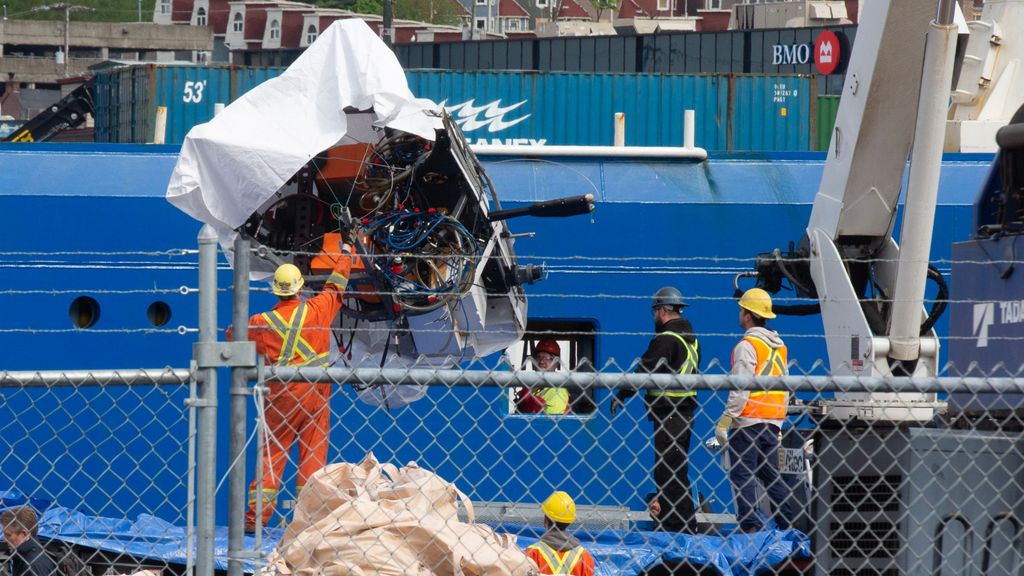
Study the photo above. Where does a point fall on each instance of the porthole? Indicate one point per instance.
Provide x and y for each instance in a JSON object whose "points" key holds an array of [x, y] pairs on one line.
{"points": [[84, 312], [158, 313]]}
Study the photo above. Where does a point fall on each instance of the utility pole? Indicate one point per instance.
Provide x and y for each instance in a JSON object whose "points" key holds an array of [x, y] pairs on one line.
{"points": [[388, 17], [140, 10], [68, 9]]}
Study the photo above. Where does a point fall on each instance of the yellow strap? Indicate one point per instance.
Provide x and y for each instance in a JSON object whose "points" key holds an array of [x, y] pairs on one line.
{"points": [[557, 563], [689, 367], [292, 341]]}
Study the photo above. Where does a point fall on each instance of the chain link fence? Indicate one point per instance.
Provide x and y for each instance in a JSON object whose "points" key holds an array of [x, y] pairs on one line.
{"points": [[449, 471]]}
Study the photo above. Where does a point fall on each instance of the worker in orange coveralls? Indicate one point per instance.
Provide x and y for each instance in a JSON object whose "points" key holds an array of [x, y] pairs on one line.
{"points": [[557, 551], [295, 333]]}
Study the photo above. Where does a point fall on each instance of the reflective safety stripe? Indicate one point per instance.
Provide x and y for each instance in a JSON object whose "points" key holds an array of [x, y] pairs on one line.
{"points": [[767, 404], [558, 564], [269, 495], [689, 367], [338, 280], [292, 341]]}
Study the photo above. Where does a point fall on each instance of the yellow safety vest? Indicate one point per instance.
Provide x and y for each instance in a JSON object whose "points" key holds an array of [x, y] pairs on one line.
{"points": [[689, 367], [563, 564], [556, 400]]}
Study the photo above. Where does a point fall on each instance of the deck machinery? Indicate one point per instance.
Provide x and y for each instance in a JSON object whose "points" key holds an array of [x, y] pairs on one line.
{"points": [[897, 489]]}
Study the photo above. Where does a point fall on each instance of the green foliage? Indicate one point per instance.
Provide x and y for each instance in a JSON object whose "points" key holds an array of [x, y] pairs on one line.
{"points": [[103, 10], [434, 11], [602, 5]]}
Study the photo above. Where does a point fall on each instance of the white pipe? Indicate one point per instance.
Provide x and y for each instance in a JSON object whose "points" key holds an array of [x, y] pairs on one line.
{"points": [[688, 128], [620, 129], [922, 193], [591, 151], [160, 128]]}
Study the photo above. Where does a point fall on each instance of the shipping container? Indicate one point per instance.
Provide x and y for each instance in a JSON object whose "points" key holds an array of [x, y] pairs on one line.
{"points": [[773, 51], [825, 120], [771, 113], [578, 109], [127, 98], [733, 112]]}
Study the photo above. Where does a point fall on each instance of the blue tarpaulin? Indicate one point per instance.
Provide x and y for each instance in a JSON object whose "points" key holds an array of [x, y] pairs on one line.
{"points": [[616, 552]]}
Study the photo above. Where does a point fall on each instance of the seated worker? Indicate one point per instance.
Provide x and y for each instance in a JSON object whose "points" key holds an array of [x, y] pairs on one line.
{"points": [[557, 551], [28, 558], [546, 358]]}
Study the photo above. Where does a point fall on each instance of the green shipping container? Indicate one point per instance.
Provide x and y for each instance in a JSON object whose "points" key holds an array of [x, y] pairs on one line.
{"points": [[828, 106]]}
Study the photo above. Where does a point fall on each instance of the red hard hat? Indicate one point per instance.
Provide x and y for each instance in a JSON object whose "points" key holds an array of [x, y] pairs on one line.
{"points": [[548, 345]]}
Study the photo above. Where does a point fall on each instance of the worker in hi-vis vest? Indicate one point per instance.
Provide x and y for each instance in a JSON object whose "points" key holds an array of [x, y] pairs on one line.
{"points": [[755, 418], [673, 350], [547, 355], [557, 551], [295, 333]]}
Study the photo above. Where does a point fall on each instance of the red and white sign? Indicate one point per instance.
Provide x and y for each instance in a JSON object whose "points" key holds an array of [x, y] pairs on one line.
{"points": [[826, 52]]}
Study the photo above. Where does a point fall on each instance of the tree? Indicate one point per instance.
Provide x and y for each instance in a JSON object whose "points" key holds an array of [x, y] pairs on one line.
{"points": [[434, 11], [602, 5]]}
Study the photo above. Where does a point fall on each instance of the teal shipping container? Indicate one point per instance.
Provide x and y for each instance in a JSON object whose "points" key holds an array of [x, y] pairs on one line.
{"points": [[733, 112], [127, 98], [771, 113]]}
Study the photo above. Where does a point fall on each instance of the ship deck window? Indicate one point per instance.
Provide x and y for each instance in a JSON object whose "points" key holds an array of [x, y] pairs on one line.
{"points": [[576, 340], [84, 312]]}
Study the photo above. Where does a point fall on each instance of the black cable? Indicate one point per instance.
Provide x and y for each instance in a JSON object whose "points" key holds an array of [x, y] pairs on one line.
{"points": [[941, 299]]}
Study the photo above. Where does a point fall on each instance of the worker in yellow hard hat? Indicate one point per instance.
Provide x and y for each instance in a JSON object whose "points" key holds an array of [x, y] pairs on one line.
{"points": [[756, 418], [557, 551], [295, 332]]}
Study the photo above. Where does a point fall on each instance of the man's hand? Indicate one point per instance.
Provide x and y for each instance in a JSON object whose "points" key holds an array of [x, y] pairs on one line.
{"points": [[654, 507], [616, 405], [722, 429]]}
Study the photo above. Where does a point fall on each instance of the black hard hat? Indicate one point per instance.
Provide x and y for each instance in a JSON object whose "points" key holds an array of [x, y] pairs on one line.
{"points": [[668, 296]]}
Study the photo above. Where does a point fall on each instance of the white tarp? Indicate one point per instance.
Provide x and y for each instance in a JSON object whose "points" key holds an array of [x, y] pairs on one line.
{"points": [[231, 165]]}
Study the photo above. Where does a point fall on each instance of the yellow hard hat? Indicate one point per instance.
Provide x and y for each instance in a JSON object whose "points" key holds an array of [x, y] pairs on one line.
{"points": [[758, 302], [287, 280], [560, 508]]}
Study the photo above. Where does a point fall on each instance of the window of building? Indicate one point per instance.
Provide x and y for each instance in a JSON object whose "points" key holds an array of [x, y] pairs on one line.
{"points": [[576, 343], [310, 34], [663, 4], [513, 24], [165, 6], [480, 23], [238, 22], [275, 30], [481, 2], [542, 3], [201, 17]]}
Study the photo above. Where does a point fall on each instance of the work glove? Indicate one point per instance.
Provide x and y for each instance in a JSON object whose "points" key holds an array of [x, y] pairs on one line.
{"points": [[722, 429]]}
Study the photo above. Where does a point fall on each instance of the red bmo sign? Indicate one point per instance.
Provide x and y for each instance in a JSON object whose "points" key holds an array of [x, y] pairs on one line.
{"points": [[826, 52]]}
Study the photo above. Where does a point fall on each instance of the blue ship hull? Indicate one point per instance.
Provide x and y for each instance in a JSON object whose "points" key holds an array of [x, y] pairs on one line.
{"points": [[657, 223]]}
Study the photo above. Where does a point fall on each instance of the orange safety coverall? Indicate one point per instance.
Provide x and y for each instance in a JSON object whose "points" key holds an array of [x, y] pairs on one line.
{"points": [[576, 562], [298, 409]]}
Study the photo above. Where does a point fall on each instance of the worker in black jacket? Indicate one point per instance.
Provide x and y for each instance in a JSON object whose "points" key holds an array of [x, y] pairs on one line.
{"points": [[28, 558], [673, 350]]}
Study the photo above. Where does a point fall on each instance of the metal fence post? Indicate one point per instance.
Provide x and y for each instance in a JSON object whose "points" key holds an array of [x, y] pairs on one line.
{"points": [[239, 392], [206, 457]]}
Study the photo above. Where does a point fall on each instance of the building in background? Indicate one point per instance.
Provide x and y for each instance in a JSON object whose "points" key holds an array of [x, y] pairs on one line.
{"points": [[32, 51]]}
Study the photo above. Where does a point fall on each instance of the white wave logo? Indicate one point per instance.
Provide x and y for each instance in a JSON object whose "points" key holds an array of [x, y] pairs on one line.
{"points": [[470, 117]]}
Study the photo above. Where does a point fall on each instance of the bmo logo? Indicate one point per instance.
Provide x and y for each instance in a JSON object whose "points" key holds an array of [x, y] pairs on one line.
{"points": [[791, 54], [826, 52]]}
